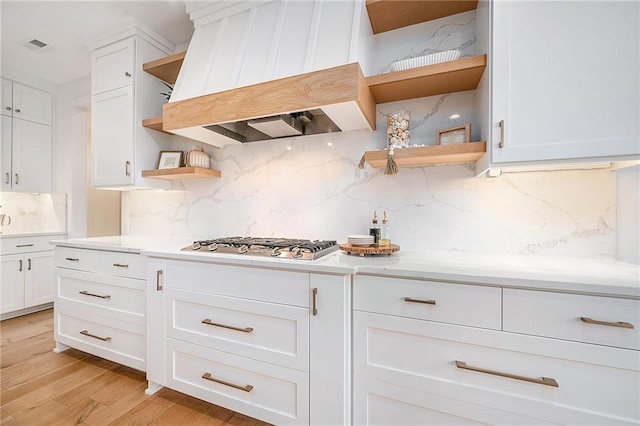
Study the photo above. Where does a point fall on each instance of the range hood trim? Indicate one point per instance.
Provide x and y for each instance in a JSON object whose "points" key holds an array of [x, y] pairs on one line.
{"points": [[336, 91]]}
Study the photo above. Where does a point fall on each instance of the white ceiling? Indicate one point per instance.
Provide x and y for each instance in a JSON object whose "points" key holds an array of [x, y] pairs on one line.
{"points": [[67, 27]]}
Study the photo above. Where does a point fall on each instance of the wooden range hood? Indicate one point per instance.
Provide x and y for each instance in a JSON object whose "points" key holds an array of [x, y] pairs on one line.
{"points": [[341, 93]]}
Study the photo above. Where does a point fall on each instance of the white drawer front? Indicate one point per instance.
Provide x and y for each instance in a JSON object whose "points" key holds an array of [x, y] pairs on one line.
{"points": [[451, 303], [592, 319], [72, 258], [422, 355], [272, 333], [114, 340], [94, 290], [122, 264], [290, 288], [268, 392], [17, 245], [378, 403]]}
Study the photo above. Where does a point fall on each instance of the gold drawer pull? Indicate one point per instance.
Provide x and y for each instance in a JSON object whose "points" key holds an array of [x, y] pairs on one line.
{"points": [[314, 308], [72, 259], [607, 323], [426, 302], [120, 265], [542, 381], [104, 339], [86, 293], [247, 388], [230, 327]]}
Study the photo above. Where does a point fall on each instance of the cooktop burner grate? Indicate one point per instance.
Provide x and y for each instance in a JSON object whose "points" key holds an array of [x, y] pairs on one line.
{"points": [[273, 247]]}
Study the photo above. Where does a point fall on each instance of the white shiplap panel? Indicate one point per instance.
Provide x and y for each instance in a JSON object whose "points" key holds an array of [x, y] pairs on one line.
{"points": [[294, 40], [192, 79], [334, 34], [256, 58], [229, 46]]}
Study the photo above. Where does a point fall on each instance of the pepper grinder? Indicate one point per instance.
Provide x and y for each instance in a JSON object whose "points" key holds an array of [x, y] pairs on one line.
{"points": [[374, 230]]}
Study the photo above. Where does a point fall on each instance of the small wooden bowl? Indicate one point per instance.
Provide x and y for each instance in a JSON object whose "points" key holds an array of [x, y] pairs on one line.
{"points": [[373, 249]]}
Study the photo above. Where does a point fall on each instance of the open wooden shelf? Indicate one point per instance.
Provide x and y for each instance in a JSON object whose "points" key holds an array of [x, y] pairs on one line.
{"points": [[386, 15], [446, 77], [154, 123], [166, 69], [181, 173], [428, 155]]}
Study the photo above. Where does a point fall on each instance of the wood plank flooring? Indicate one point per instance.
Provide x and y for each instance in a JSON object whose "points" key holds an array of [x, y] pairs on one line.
{"points": [[40, 387]]}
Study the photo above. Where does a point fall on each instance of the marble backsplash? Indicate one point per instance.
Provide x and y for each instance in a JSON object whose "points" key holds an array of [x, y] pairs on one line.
{"points": [[33, 213], [312, 187]]}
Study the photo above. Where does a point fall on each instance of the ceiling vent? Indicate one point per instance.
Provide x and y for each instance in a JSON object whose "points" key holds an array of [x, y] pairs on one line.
{"points": [[35, 45]]}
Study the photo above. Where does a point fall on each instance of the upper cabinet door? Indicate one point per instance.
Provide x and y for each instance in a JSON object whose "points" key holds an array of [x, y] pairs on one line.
{"points": [[112, 141], [32, 151], [5, 154], [566, 80], [112, 67], [32, 104], [26, 103], [7, 97]]}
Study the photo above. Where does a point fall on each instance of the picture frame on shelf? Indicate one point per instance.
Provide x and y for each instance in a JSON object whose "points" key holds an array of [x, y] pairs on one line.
{"points": [[170, 159], [453, 135]]}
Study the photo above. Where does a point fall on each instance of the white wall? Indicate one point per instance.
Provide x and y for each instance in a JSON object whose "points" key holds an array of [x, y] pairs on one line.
{"points": [[70, 141]]}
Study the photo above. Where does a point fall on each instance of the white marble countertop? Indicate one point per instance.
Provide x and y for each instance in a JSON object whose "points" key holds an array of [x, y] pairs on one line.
{"points": [[34, 234], [594, 276], [125, 243]]}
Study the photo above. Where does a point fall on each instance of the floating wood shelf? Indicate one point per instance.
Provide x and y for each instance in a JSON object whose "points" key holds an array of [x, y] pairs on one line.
{"points": [[166, 69], [182, 173], [447, 77], [386, 15], [154, 123], [428, 155]]}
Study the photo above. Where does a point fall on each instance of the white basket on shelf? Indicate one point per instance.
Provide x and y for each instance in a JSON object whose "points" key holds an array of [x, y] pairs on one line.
{"points": [[421, 61]]}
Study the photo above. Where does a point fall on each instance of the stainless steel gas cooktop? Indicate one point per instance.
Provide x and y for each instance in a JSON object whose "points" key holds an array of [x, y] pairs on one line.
{"points": [[271, 247]]}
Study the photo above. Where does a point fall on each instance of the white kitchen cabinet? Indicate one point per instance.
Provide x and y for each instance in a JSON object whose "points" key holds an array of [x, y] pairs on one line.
{"points": [[273, 344], [380, 403], [12, 291], [27, 139], [100, 304], [28, 277], [565, 82], [26, 103], [122, 95], [113, 66], [412, 370], [113, 145], [26, 156]]}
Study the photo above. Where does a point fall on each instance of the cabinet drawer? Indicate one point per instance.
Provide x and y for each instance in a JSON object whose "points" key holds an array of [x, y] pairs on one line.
{"points": [[265, 391], [115, 340], [591, 380], [269, 285], [444, 302], [379, 403], [17, 245], [122, 264], [268, 332], [104, 262], [72, 258], [120, 295], [592, 319]]}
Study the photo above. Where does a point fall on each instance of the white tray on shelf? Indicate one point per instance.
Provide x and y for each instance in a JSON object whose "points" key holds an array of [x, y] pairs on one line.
{"points": [[421, 61]]}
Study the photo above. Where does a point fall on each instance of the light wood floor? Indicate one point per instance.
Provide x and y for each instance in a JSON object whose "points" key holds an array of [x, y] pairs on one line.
{"points": [[40, 387]]}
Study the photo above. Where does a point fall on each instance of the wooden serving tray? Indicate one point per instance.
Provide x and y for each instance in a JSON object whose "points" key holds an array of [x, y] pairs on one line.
{"points": [[372, 249]]}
